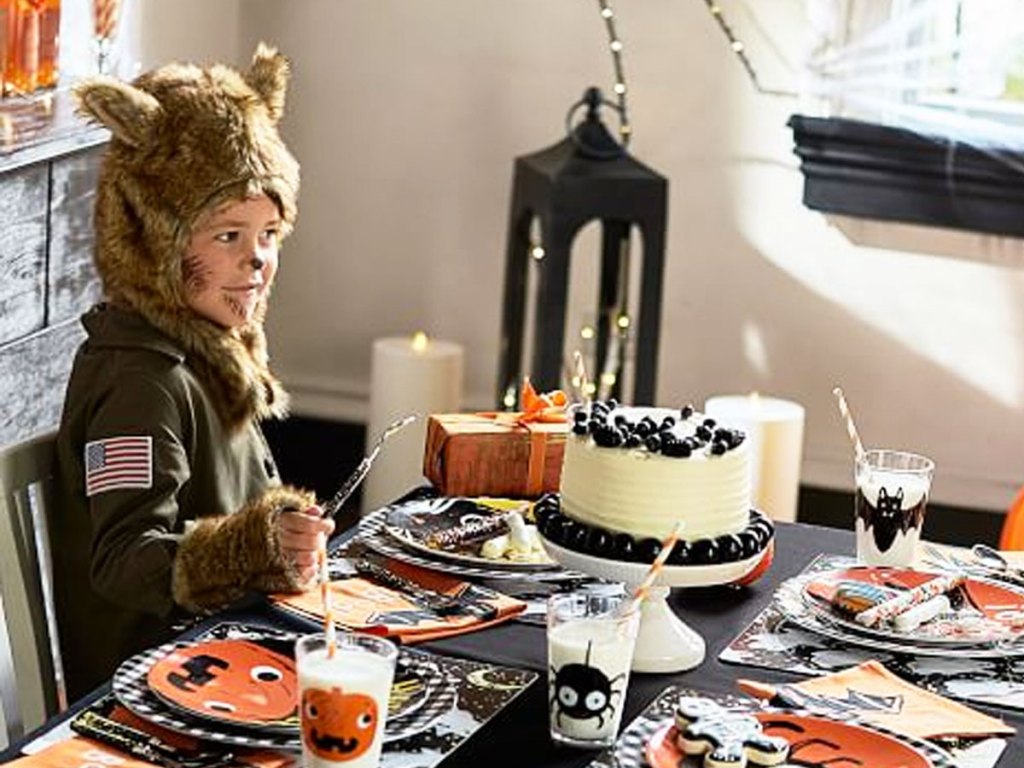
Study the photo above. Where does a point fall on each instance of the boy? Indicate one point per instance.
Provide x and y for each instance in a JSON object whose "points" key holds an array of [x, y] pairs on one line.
{"points": [[170, 501]]}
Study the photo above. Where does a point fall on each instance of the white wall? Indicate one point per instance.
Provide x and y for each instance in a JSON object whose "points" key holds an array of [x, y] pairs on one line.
{"points": [[407, 117]]}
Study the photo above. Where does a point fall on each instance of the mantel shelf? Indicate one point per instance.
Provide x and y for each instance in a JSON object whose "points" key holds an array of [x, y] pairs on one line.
{"points": [[44, 126]]}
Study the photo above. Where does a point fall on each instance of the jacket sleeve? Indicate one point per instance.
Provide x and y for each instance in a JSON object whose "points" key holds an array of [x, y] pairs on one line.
{"points": [[135, 525], [218, 559]]}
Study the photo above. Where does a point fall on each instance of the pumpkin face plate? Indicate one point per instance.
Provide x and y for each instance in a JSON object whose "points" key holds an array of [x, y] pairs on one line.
{"points": [[815, 741], [232, 681]]}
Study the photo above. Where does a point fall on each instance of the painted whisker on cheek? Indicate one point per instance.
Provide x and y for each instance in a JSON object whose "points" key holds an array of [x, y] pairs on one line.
{"points": [[236, 307], [195, 275]]}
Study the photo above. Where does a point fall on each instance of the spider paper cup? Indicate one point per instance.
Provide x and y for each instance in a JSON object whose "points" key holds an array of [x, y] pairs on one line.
{"points": [[590, 649]]}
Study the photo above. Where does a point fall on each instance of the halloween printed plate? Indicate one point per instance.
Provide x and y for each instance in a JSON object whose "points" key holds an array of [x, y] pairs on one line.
{"points": [[420, 694], [234, 681], [984, 612], [413, 523], [789, 600], [816, 741]]}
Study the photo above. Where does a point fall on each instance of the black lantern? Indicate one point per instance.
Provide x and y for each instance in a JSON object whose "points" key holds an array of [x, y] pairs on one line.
{"points": [[588, 176]]}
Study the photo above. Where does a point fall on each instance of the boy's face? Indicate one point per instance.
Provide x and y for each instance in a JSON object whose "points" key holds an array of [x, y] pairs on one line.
{"points": [[231, 260]]}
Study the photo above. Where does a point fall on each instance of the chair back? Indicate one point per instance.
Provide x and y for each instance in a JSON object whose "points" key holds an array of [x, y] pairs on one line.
{"points": [[1012, 534], [26, 583], [10, 712]]}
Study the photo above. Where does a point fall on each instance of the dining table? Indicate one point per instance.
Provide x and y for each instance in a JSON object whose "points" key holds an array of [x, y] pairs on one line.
{"points": [[518, 734]]}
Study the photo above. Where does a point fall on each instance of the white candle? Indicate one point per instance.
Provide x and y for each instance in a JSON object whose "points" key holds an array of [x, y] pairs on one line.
{"points": [[775, 429], [409, 374]]}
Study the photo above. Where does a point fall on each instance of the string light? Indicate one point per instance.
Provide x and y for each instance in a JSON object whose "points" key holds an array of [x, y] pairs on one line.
{"points": [[740, 49], [509, 401], [615, 46], [537, 251]]}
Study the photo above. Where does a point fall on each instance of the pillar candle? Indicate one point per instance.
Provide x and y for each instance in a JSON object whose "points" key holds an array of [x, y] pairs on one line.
{"points": [[775, 429], [409, 374]]}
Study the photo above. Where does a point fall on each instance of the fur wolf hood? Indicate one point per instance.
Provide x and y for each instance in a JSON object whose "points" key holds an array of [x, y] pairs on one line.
{"points": [[184, 141]]}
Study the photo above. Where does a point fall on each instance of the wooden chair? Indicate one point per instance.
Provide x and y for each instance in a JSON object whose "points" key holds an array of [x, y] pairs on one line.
{"points": [[26, 492], [10, 712]]}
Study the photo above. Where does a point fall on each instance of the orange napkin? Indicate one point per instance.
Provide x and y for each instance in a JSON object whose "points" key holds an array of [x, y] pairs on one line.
{"points": [[871, 692], [364, 606]]}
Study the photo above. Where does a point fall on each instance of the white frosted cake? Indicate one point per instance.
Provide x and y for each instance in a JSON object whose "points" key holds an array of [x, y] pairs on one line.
{"points": [[631, 473], [643, 492]]}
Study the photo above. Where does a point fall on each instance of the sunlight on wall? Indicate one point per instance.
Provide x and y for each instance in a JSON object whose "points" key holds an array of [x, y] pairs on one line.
{"points": [[957, 314]]}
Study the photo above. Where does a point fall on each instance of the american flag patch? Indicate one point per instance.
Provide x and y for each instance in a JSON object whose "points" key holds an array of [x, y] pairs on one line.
{"points": [[117, 463]]}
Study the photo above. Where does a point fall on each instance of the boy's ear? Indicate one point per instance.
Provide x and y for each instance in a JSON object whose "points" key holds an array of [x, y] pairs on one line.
{"points": [[128, 112], [268, 76]]}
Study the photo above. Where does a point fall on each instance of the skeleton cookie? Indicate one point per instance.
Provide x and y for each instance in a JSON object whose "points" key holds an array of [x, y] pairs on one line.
{"points": [[726, 739]]}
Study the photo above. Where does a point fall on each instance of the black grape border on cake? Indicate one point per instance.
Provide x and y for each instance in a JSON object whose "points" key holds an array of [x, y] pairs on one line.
{"points": [[651, 435], [599, 542]]}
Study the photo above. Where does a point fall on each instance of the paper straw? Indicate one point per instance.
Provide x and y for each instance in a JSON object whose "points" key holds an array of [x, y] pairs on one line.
{"points": [[325, 597], [659, 562], [851, 429], [940, 585]]}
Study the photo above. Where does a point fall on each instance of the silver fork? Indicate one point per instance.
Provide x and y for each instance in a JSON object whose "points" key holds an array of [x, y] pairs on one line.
{"points": [[332, 507], [951, 562]]}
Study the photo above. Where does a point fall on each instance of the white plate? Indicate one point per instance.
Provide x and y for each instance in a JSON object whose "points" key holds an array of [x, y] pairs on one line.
{"points": [[670, 576]]}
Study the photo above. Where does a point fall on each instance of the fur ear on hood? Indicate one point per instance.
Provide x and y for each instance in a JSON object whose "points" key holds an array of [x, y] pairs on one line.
{"points": [[186, 141], [129, 113], [268, 76]]}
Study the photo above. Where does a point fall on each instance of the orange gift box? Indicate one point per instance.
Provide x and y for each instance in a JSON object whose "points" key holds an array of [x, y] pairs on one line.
{"points": [[493, 455]]}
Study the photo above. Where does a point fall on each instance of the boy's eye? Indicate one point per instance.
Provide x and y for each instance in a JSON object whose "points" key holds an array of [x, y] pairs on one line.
{"points": [[226, 237], [271, 234]]}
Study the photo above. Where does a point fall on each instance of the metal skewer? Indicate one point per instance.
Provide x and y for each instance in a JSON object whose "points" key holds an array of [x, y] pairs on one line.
{"points": [[332, 507]]}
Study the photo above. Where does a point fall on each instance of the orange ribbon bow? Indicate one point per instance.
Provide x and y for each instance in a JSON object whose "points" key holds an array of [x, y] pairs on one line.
{"points": [[548, 408]]}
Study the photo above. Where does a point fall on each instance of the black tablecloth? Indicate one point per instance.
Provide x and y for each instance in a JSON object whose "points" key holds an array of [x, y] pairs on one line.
{"points": [[519, 734]]}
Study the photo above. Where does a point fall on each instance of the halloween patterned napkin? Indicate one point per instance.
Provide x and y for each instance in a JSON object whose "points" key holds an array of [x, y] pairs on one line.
{"points": [[367, 605], [876, 695]]}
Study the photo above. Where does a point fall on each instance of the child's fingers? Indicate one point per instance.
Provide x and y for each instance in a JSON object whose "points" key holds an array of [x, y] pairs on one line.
{"points": [[304, 524]]}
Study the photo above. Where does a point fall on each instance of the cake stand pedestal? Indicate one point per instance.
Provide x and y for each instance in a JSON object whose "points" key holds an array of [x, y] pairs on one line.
{"points": [[665, 643]]}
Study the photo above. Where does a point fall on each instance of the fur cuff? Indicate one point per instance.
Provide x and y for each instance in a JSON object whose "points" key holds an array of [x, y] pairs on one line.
{"points": [[223, 557]]}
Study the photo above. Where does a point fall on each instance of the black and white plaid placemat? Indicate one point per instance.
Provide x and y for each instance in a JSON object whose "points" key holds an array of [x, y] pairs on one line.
{"points": [[465, 695]]}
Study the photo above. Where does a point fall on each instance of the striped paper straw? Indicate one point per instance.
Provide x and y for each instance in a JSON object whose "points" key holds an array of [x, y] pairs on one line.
{"points": [[105, 17], [851, 429], [325, 597], [659, 562]]}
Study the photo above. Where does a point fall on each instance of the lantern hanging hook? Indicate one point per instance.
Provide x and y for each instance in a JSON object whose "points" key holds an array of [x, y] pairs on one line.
{"points": [[608, 147]]}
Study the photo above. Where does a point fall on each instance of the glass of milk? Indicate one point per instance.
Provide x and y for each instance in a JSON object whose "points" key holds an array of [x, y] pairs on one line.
{"points": [[343, 698], [590, 649], [889, 505]]}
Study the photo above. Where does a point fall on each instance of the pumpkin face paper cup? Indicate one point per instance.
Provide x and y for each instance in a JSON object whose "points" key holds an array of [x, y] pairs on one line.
{"points": [[343, 698]]}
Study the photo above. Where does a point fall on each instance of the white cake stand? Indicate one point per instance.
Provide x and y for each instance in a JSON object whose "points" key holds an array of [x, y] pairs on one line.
{"points": [[665, 643]]}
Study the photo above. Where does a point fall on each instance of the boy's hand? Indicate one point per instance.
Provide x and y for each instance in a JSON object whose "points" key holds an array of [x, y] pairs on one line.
{"points": [[299, 534]]}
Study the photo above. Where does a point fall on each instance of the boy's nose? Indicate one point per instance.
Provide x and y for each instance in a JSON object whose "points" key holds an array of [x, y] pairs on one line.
{"points": [[256, 261]]}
